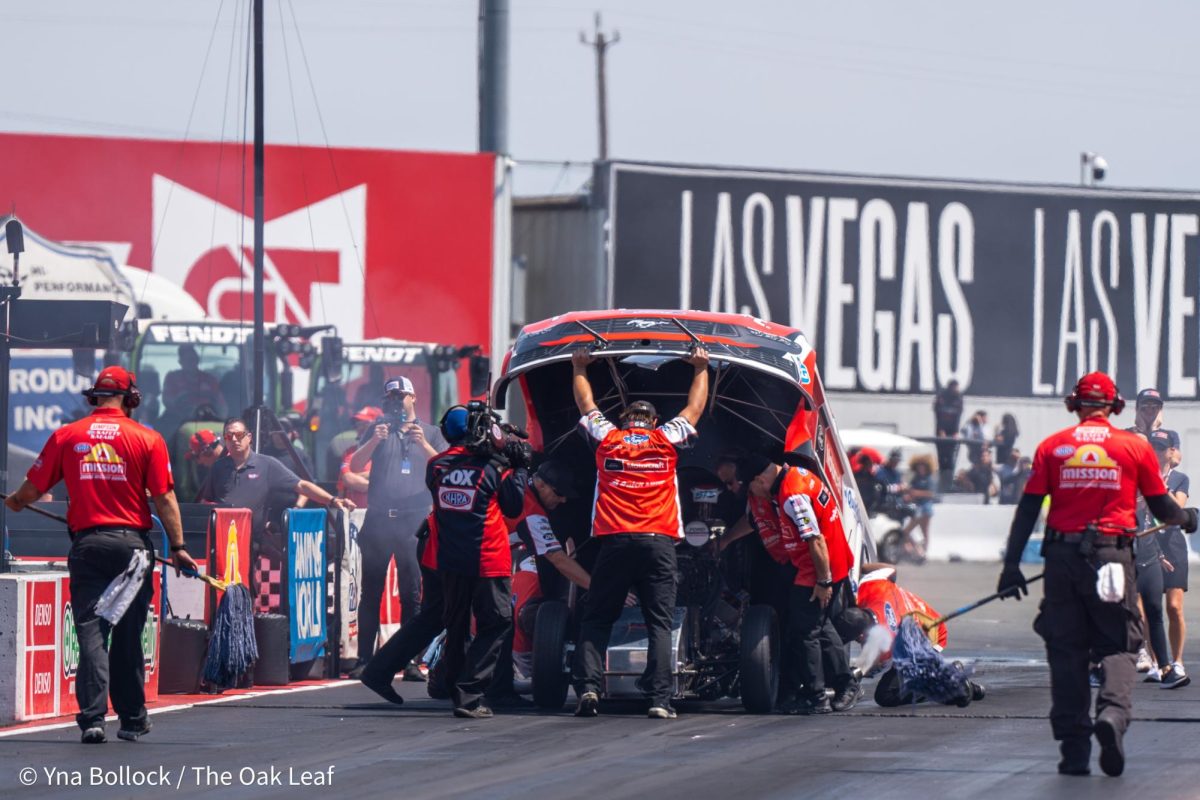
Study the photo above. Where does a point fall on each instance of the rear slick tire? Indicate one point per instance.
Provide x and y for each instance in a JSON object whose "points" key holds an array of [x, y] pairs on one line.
{"points": [[550, 678], [759, 663]]}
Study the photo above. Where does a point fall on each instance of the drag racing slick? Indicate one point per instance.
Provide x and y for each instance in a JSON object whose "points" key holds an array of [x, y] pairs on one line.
{"points": [[110, 464], [1092, 473], [806, 516], [636, 522], [474, 486]]}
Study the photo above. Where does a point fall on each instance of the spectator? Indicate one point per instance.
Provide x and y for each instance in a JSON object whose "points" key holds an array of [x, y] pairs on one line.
{"points": [[204, 448], [977, 435], [980, 478], [869, 487], [284, 442], [947, 414], [1013, 476], [1175, 562], [1149, 417], [1006, 438], [189, 388], [888, 473], [920, 493]]}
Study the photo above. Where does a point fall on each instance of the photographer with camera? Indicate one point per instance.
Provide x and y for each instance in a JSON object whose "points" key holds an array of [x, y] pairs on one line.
{"points": [[398, 448], [475, 484]]}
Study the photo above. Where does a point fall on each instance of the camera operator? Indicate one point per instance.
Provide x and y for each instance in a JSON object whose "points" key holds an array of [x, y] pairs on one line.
{"points": [[398, 448], [475, 485]]}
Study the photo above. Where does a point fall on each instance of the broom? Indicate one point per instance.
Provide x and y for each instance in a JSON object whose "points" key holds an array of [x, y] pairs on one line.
{"points": [[232, 648]]}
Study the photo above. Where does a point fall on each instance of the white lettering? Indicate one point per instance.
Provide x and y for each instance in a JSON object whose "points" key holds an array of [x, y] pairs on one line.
{"points": [[916, 303], [685, 250], [1070, 320], [956, 263], [1183, 305], [722, 267], [758, 202], [1105, 219], [1148, 295], [838, 294], [877, 239], [804, 283]]}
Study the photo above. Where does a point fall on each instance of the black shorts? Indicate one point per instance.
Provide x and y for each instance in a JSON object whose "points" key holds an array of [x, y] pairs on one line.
{"points": [[1175, 548]]}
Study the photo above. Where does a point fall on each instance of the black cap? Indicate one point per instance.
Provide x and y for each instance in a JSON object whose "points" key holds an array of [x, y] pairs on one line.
{"points": [[751, 466], [1160, 439], [558, 477], [1146, 396], [641, 408]]}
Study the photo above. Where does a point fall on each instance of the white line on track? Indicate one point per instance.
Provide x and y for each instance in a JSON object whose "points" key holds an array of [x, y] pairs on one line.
{"points": [[184, 706]]}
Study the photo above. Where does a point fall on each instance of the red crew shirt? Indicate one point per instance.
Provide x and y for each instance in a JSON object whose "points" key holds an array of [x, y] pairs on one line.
{"points": [[889, 604], [806, 509], [636, 489], [109, 463], [766, 522], [1093, 473]]}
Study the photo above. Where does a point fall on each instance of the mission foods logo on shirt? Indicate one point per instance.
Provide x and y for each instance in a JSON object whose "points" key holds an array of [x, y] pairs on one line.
{"points": [[102, 463], [1090, 468]]}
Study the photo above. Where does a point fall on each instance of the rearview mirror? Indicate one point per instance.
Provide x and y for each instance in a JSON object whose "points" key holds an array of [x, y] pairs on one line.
{"points": [[480, 369]]}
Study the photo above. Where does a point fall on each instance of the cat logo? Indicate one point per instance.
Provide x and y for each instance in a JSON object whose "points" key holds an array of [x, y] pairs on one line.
{"points": [[1090, 467], [102, 463]]}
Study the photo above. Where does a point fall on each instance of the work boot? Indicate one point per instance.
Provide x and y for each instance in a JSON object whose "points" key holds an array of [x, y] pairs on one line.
{"points": [[383, 688], [661, 711], [847, 698], [94, 735], [1112, 745], [589, 705], [131, 732], [1076, 753]]}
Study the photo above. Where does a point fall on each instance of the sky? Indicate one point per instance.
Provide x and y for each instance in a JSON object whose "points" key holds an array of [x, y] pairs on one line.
{"points": [[1006, 91]]}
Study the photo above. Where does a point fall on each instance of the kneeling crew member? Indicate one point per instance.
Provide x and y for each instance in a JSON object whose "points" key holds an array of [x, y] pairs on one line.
{"points": [[473, 490], [810, 526], [1093, 473], [109, 464], [636, 522]]}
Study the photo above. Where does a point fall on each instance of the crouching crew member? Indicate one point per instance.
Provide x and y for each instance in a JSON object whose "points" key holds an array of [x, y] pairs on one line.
{"points": [[109, 464], [474, 487], [1092, 473], [810, 526], [636, 522]]}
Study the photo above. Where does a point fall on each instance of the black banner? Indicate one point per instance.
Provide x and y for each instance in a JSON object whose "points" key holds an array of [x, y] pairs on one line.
{"points": [[902, 285]]}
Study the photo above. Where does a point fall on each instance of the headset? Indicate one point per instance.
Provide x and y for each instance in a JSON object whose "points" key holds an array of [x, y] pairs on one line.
{"points": [[1075, 403], [131, 398]]}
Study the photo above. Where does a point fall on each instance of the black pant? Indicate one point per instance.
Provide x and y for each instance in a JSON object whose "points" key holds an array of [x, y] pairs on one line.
{"points": [[489, 600], [818, 655], [106, 667], [1079, 628], [414, 636], [771, 585], [645, 563], [1150, 587], [381, 539]]}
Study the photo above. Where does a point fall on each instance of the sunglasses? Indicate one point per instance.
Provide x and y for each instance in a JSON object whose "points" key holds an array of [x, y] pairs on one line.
{"points": [[236, 436]]}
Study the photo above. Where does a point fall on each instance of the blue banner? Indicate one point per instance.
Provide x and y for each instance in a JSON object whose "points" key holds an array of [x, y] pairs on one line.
{"points": [[44, 393], [306, 583]]}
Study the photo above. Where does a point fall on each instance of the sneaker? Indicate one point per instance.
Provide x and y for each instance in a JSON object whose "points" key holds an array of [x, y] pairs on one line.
{"points": [[1174, 677], [1153, 676], [132, 733], [1096, 677], [1112, 749], [661, 712], [1144, 664], [474, 712], [94, 735], [383, 688], [815, 705], [589, 705], [847, 698], [414, 673]]}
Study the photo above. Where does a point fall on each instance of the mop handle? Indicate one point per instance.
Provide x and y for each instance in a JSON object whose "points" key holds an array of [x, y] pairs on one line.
{"points": [[191, 573], [42, 511]]}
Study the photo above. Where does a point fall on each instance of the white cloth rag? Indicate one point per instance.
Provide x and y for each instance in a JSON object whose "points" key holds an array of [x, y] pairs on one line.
{"points": [[1110, 582], [120, 594]]}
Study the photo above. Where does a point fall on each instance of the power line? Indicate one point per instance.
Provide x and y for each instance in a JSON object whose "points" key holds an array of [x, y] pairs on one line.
{"points": [[600, 44]]}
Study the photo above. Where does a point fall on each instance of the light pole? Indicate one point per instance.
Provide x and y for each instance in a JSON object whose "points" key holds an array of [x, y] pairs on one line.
{"points": [[1092, 168]]}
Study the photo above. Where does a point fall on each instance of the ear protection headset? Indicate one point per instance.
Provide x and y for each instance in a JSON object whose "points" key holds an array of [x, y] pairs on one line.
{"points": [[1075, 403], [131, 399]]}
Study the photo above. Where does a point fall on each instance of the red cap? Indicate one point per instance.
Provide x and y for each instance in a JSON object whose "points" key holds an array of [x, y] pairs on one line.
{"points": [[201, 440], [1096, 388], [112, 380], [368, 414]]}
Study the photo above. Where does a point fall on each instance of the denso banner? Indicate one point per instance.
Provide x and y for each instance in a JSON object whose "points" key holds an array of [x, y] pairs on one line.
{"points": [[903, 285], [306, 582], [380, 243]]}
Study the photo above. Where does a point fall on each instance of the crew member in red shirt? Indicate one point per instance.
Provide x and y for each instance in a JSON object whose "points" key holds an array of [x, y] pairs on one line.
{"points": [[810, 532], [109, 464], [636, 522], [1092, 473]]}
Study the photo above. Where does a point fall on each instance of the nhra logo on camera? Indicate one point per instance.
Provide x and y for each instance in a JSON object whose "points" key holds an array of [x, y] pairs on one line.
{"points": [[455, 499]]}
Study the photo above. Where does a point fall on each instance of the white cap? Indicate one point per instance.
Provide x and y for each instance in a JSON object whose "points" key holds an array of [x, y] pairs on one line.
{"points": [[401, 384]]}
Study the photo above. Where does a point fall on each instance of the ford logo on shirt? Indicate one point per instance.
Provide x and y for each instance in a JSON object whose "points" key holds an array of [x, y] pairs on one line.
{"points": [[636, 438]]}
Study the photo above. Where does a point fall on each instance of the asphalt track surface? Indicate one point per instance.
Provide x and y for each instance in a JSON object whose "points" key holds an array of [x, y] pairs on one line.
{"points": [[1000, 747]]}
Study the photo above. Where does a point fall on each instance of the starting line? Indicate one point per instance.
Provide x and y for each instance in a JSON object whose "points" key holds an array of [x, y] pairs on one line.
{"points": [[202, 700]]}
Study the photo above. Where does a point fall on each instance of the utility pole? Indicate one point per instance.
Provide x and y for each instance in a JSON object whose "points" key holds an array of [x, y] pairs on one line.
{"points": [[493, 76], [600, 43], [259, 139]]}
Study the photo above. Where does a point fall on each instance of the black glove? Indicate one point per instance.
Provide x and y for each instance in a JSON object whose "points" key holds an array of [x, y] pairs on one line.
{"points": [[1012, 583], [519, 453], [1193, 520]]}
